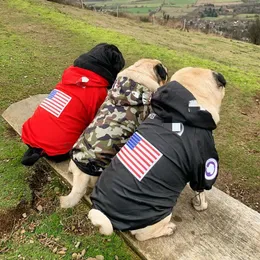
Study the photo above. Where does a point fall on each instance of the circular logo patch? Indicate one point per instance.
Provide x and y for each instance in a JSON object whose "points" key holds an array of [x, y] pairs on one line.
{"points": [[211, 169]]}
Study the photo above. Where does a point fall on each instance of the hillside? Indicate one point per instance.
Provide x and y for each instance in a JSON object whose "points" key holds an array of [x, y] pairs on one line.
{"points": [[239, 62], [39, 39]]}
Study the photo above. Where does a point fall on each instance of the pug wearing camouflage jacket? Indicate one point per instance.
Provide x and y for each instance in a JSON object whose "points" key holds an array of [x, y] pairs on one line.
{"points": [[126, 106]]}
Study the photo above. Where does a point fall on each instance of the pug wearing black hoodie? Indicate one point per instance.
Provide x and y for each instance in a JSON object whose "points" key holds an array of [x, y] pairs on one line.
{"points": [[172, 147]]}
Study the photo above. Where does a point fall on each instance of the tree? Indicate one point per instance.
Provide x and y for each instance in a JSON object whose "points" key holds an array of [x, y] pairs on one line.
{"points": [[254, 32]]}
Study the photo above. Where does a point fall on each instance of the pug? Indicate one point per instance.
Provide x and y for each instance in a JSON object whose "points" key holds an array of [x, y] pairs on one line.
{"points": [[172, 147], [60, 119], [127, 105]]}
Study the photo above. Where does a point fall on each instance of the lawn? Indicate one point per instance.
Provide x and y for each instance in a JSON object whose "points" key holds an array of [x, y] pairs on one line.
{"points": [[33, 56], [38, 40]]}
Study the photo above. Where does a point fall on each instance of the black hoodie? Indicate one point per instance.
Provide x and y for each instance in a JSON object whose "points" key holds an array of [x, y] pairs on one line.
{"points": [[134, 194], [104, 59]]}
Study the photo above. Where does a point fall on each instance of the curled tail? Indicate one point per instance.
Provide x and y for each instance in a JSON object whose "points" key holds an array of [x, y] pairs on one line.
{"points": [[98, 219]]}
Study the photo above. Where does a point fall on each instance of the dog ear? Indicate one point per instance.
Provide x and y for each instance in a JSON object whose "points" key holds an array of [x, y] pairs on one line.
{"points": [[161, 71], [221, 82], [118, 59]]}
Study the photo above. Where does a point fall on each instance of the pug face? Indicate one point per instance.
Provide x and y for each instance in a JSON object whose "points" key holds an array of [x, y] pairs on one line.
{"points": [[206, 85], [153, 68]]}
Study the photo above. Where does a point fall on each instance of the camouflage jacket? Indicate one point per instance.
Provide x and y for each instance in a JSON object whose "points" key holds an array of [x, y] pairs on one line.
{"points": [[126, 106]]}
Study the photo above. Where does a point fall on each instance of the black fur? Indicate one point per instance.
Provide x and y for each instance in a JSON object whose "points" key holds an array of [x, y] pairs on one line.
{"points": [[219, 79], [104, 59], [161, 72]]}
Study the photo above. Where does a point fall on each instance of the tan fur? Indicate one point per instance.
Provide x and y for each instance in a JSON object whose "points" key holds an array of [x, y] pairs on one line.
{"points": [[98, 219], [202, 84], [199, 202], [81, 183], [143, 72], [161, 228]]}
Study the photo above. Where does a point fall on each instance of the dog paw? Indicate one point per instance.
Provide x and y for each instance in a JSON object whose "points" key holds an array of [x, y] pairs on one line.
{"points": [[199, 205], [170, 228], [65, 202]]}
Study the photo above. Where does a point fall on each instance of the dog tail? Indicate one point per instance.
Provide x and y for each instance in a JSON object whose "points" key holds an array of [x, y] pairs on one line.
{"points": [[98, 219]]}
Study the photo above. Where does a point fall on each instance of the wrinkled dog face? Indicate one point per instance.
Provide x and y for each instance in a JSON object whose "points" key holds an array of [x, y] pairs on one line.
{"points": [[207, 86], [152, 68]]}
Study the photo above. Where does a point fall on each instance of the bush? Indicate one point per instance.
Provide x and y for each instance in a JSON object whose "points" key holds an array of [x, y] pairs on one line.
{"points": [[144, 19]]}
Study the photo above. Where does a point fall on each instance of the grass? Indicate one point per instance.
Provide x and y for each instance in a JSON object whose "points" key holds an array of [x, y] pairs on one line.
{"points": [[41, 233], [27, 70], [247, 16], [12, 174], [157, 2], [219, 1], [138, 10], [39, 39]]}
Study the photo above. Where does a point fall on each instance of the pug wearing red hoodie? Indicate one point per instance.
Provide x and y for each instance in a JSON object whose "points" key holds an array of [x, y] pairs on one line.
{"points": [[62, 116]]}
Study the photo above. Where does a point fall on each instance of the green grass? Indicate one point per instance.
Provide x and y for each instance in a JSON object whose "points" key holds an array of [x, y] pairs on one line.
{"points": [[39, 39], [241, 70], [219, 1], [181, 2], [42, 232], [247, 16], [220, 17], [138, 10], [33, 57], [12, 174]]}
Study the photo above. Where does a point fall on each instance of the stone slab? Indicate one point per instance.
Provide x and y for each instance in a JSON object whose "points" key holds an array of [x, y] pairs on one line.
{"points": [[228, 230]]}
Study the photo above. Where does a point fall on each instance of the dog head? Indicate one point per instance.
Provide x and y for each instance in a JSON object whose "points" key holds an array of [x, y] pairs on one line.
{"points": [[148, 72], [104, 59], [207, 86]]}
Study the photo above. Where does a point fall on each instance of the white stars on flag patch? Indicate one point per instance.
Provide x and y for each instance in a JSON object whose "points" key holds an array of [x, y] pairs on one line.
{"points": [[138, 156], [55, 102]]}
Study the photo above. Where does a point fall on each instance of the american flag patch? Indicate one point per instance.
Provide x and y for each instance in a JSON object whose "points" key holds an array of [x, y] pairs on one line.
{"points": [[55, 102], [138, 156]]}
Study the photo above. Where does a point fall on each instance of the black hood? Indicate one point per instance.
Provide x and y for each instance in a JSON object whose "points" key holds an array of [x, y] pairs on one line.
{"points": [[104, 59], [174, 103]]}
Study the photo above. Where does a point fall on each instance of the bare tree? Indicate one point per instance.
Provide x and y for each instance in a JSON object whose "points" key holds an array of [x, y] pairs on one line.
{"points": [[82, 4], [254, 32]]}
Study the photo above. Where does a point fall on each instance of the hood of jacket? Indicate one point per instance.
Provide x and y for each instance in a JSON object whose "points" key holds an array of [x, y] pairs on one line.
{"points": [[104, 59], [127, 92], [83, 78], [174, 103]]}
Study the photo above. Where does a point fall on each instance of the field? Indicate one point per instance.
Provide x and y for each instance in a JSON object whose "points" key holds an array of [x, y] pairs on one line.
{"points": [[174, 8], [38, 40], [219, 2]]}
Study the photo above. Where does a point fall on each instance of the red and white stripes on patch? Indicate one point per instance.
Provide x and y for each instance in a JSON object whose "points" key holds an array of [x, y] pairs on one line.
{"points": [[138, 156], [55, 102]]}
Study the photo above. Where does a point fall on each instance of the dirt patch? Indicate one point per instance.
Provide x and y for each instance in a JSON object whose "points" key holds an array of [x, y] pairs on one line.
{"points": [[10, 218], [37, 181], [78, 223], [10, 133], [239, 190]]}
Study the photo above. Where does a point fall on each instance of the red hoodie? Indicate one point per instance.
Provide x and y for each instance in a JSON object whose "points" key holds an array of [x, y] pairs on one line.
{"points": [[60, 119]]}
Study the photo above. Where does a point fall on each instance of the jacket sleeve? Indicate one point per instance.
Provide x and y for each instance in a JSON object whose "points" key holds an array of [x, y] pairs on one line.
{"points": [[205, 172], [143, 113]]}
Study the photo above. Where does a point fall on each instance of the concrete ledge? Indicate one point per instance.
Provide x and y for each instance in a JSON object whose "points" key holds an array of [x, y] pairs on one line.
{"points": [[228, 230]]}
